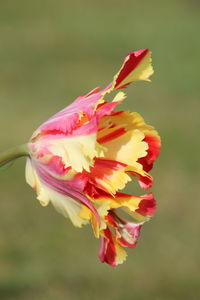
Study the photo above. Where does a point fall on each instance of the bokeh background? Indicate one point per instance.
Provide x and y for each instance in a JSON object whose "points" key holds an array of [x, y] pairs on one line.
{"points": [[50, 53]]}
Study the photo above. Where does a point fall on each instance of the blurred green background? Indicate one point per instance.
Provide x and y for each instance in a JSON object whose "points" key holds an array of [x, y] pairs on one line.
{"points": [[50, 53]]}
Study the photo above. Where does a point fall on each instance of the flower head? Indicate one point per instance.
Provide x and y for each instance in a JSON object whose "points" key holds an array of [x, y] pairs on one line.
{"points": [[81, 157]]}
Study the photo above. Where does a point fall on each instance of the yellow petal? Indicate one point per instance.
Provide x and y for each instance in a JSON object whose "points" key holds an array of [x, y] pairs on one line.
{"points": [[34, 181], [120, 253], [67, 206], [142, 72], [77, 152], [127, 148]]}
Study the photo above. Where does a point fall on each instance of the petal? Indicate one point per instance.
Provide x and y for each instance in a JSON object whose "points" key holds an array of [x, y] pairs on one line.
{"points": [[129, 234], [145, 180], [29, 174], [108, 175], [110, 251], [136, 66], [152, 152], [67, 206], [76, 152], [140, 207], [126, 148], [56, 166], [147, 205], [34, 181], [122, 133], [49, 188], [67, 119], [115, 128]]}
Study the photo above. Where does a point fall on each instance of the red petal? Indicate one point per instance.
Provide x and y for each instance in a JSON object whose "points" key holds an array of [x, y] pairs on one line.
{"points": [[107, 252], [152, 152], [147, 206]]}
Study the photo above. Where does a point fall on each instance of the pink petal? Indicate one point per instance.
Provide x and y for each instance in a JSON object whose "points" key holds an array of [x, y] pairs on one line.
{"points": [[71, 188], [67, 119]]}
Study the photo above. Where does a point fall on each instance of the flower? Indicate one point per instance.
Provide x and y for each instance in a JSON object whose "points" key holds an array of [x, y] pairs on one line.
{"points": [[81, 157]]}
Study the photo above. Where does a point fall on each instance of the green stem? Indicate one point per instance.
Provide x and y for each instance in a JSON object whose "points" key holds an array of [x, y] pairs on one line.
{"points": [[13, 153]]}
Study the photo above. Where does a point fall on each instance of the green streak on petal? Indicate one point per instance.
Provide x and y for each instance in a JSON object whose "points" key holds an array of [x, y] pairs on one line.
{"points": [[12, 154]]}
